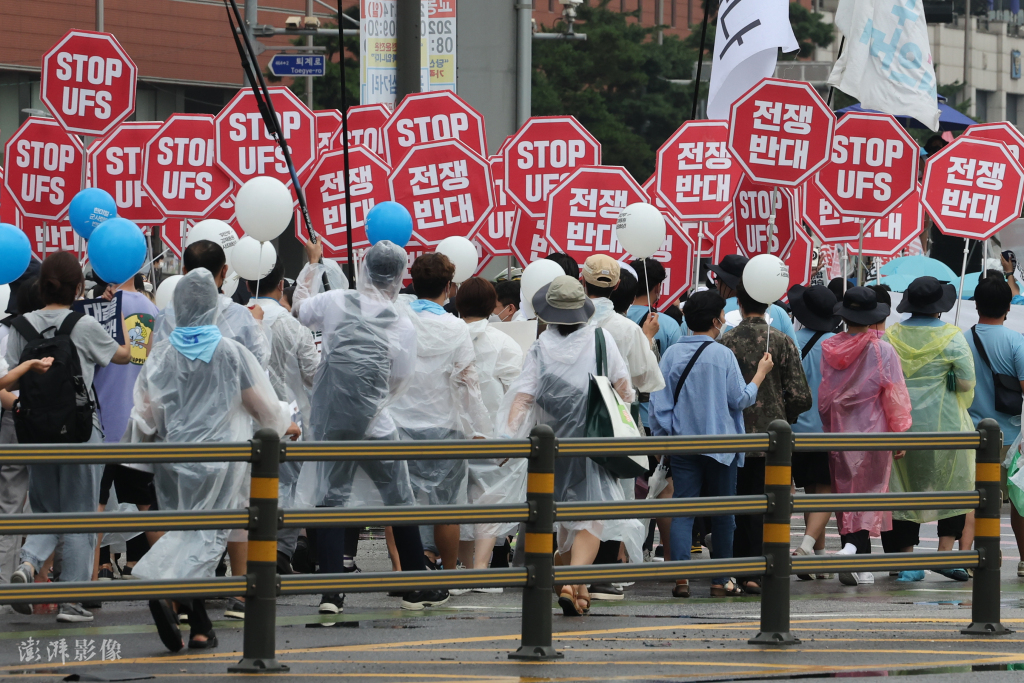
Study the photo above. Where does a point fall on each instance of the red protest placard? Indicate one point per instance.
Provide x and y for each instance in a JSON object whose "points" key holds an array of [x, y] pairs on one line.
{"points": [[583, 210], [529, 242], [246, 149], [88, 82], [446, 187], [892, 234], [497, 234], [781, 132], [542, 153], [180, 174], [325, 197], [752, 212], [430, 117], [676, 255], [1001, 131], [973, 188], [365, 127], [44, 168], [823, 217], [696, 175], [874, 166], [328, 123], [117, 164], [800, 258]]}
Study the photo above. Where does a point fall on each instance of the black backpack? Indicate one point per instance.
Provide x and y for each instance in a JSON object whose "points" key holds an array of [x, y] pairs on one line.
{"points": [[55, 406]]}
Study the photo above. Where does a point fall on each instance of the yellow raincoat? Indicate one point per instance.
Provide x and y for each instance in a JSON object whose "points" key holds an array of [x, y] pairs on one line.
{"points": [[928, 350]]}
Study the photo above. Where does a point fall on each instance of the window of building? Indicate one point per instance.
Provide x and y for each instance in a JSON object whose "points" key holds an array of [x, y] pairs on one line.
{"points": [[640, 11], [1013, 109], [551, 5], [981, 104], [672, 13]]}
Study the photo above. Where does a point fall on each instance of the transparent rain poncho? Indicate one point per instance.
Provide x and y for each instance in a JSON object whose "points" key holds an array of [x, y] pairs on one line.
{"points": [[862, 391], [368, 355], [502, 481], [552, 390], [632, 344], [443, 402], [178, 400], [927, 354]]}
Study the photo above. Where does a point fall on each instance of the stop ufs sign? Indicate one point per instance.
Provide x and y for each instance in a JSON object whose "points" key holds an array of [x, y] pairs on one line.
{"points": [[365, 127], [88, 82], [827, 224], [447, 188], [874, 166], [328, 121], [889, 235], [542, 153], [117, 164], [781, 132], [752, 212], [583, 210], [246, 149], [430, 117], [325, 195], [44, 168], [1002, 131], [181, 173], [497, 234], [973, 187], [696, 175]]}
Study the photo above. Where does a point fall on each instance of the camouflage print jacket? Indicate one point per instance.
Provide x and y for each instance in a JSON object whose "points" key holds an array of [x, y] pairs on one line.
{"points": [[784, 394]]}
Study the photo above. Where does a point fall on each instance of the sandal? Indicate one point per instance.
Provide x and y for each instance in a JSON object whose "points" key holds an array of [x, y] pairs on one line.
{"points": [[568, 601], [681, 589], [166, 624], [209, 643], [583, 595], [729, 590]]}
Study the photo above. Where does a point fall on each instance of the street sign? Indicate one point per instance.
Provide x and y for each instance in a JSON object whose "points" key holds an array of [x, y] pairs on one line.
{"points": [[874, 166], [430, 117], [824, 218], [892, 234], [298, 65], [781, 132], [88, 82], [365, 127], [325, 197], [117, 164], [246, 149], [753, 209], [181, 175], [697, 177], [584, 208], [973, 188], [1002, 131], [446, 186], [44, 168], [496, 235], [542, 153]]}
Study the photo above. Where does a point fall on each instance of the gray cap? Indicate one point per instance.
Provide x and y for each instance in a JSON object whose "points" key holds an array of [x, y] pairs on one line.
{"points": [[563, 302]]}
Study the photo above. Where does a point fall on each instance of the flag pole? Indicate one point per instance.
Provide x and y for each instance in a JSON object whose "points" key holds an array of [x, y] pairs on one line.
{"points": [[860, 255], [960, 293], [832, 88], [700, 61]]}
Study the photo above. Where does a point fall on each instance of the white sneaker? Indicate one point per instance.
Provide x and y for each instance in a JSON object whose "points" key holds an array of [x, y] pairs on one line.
{"points": [[459, 591], [1020, 569], [850, 578], [865, 578], [496, 591]]}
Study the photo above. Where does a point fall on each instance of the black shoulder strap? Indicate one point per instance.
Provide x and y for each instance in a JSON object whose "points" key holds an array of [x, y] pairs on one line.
{"points": [[69, 323], [810, 344], [25, 329], [689, 366], [981, 349], [601, 352]]}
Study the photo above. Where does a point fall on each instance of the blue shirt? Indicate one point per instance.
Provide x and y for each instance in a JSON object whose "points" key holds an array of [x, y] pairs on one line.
{"points": [[810, 422], [780, 319], [669, 332], [1005, 350], [712, 399]]}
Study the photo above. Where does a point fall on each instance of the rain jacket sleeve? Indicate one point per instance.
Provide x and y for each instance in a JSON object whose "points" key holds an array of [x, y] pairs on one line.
{"points": [[475, 420]]}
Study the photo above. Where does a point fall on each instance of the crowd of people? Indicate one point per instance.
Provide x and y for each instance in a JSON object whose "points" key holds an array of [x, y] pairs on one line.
{"points": [[427, 362]]}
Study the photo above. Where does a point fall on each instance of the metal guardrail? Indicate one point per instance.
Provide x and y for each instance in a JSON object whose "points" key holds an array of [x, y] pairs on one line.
{"points": [[262, 585]]}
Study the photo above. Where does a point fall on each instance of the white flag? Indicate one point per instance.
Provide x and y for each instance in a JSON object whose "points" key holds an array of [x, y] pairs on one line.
{"points": [[749, 35], [887, 61]]}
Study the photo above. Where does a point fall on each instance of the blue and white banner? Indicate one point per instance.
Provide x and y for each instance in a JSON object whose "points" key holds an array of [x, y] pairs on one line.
{"points": [[107, 314]]}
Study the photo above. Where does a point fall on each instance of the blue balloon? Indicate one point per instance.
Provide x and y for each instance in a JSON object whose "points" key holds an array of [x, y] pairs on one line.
{"points": [[15, 253], [389, 221], [117, 250], [89, 208]]}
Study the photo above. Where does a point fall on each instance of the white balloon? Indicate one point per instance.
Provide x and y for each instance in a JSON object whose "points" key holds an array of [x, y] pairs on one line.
{"points": [[253, 260], [230, 283], [640, 229], [215, 231], [166, 290], [535, 277], [263, 207], [766, 278], [462, 253]]}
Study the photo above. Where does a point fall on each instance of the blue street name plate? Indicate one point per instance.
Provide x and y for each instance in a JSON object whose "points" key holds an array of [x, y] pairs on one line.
{"points": [[298, 65]]}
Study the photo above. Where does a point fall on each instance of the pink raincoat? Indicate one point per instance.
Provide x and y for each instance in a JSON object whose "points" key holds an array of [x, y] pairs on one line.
{"points": [[862, 391]]}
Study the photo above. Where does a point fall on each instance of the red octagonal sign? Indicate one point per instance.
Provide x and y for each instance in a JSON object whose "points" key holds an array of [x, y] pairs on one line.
{"points": [[44, 168], [874, 166], [973, 188], [1001, 131], [753, 213], [365, 127], [890, 235], [181, 175], [88, 82], [117, 164], [246, 149], [697, 176], [446, 187], [429, 117], [781, 132]]}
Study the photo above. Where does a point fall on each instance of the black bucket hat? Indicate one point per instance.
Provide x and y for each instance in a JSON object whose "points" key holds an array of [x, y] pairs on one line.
{"points": [[814, 307], [730, 270], [928, 296], [860, 306]]}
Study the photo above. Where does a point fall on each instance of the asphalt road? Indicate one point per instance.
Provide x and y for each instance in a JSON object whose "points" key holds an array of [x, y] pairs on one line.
{"points": [[887, 629]]}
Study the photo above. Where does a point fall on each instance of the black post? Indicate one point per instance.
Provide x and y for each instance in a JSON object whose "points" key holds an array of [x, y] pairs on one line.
{"points": [[259, 649], [700, 60], [540, 496], [408, 34], [775, 585], [350, 271], [985, 607]]}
